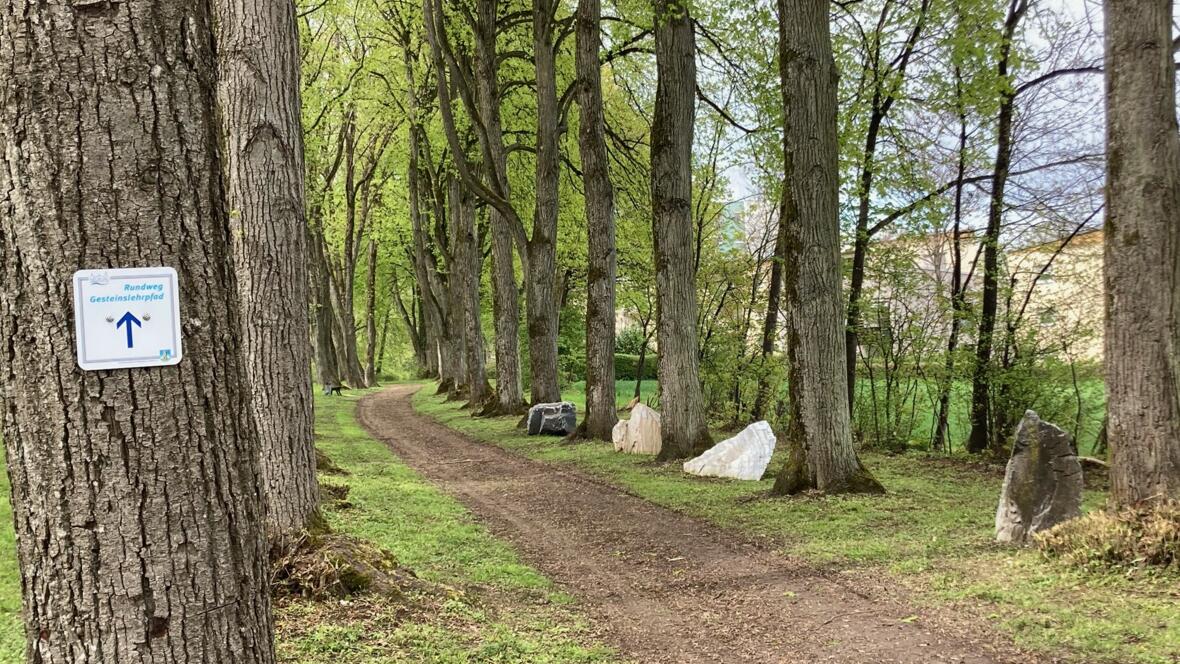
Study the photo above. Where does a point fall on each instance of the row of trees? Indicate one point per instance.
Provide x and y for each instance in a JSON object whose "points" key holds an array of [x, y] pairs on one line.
{"points": [[438, 136]]}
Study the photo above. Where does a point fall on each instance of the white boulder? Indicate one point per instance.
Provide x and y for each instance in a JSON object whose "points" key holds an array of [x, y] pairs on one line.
{"points": [[618, 435], [743, 457], [640, 434]]}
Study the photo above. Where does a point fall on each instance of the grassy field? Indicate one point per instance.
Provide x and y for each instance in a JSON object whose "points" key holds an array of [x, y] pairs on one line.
{"points": [[481, 604], [931, 535]]}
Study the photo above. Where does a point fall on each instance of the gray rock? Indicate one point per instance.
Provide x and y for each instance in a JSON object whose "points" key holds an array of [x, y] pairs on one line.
{"points": [[553, 419], [1043, 483]]}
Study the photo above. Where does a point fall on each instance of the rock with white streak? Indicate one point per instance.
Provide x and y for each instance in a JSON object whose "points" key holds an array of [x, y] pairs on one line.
{"points": [[618, 435], [743, 457], [642, 432]]}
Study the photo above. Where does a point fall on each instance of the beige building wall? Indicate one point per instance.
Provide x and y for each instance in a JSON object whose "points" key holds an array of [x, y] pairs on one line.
{"points": [[1066, 305]]}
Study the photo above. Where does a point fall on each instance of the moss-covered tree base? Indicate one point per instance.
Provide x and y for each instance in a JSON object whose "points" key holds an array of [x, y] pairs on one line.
{"points": [[324, 565], [325, 466], [797, 477]]}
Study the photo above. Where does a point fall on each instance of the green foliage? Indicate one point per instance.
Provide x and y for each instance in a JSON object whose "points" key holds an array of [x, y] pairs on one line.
{"points": [[627, 367], [630, 341]]}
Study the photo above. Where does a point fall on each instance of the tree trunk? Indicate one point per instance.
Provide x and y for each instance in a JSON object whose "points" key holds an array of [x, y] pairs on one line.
{"points": [[773, 303], [820, 437], [682, 427], [506, 229], [468, 270], [958, 288], [136, 495], [541, 298], [258, 95], [1142, 254], [371, 316], [505, 302], [600, 416], [982, 437], [325, 319]]}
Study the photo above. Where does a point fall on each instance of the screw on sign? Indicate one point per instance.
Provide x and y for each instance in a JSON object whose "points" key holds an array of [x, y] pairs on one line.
{"points": [[126, 318]]}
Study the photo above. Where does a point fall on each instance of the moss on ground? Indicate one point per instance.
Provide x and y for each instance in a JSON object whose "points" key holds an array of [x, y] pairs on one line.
{"points": [[931, 534]]}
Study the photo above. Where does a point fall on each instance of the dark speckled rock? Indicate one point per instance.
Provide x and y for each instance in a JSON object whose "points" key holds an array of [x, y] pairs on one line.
{"points": [[1043, 483]]}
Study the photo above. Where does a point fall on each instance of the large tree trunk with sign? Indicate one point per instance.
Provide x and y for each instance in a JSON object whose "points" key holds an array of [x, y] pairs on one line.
{"points": [[683, 427], [821, 455], [258, 94], [600, 227], [136, 500], [1142, 254]]}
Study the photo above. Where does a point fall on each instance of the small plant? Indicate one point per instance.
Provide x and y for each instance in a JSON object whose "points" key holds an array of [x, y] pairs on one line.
{"points": [[1126, 538]]}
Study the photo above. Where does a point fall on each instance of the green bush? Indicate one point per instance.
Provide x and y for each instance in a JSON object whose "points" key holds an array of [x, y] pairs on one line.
{"points": [[627, 367], [629, 341]]}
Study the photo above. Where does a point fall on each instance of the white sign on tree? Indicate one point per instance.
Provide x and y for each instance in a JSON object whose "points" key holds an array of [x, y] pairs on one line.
{"points": [[127, 318]]}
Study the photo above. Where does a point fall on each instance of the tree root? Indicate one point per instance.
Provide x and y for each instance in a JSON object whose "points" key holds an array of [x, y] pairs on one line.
{"points": [[329, 565], [325, 466]]}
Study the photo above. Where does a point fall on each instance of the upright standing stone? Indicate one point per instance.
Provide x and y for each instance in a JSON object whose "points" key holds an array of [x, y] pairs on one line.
{"points": [[1043, 484], [641, 434]]}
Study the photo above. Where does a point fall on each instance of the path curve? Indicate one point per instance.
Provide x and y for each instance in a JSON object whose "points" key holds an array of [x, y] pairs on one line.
{"points": [[660, 586]]}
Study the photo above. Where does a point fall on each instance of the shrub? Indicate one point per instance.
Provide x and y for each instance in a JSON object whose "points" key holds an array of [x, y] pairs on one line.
{"points": [[1130, 537], [627, 367], [630, 340]]}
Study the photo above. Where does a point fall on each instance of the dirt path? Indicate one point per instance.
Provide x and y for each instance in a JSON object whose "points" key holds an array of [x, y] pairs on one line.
{"points": [[659, 585]]}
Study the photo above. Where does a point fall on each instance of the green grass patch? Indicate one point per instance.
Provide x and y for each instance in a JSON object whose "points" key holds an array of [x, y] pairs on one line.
{"points": [[12, 638], [488, 607], [931, 533], [493, 607]]}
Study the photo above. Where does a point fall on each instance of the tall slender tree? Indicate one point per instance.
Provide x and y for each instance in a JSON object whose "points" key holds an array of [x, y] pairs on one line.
{"points": [[506, 230], [600, 226], [820, 436], [982, 436], [1142, 253], [258, 96], [683, 425], [137, 494]]}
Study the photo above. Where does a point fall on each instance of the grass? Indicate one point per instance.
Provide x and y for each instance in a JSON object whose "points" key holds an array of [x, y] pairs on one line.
{"points": [[482, 604], [930, 534], [12, 638], [494, 608]]}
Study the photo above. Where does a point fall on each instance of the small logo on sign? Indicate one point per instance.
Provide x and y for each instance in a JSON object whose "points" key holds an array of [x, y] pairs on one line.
{"points": [[166, 355]]}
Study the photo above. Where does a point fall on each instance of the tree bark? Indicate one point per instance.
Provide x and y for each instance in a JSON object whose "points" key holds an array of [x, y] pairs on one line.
{"points": [[136, 494], [541, 296], [371, 315], [820, 438], [958, 288], [325, 317], [600, 416], [468, 265], [258, 95], [682, 427], [773, 303], [982, 437], [1142, 254], [506, 229]]}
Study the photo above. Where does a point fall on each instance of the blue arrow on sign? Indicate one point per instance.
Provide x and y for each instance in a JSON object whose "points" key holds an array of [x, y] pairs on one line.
{"points": [[127, 320]]}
